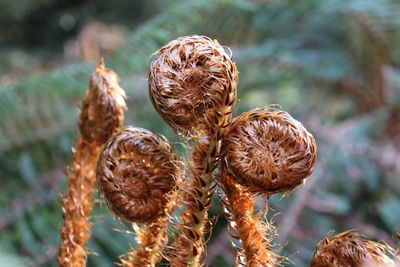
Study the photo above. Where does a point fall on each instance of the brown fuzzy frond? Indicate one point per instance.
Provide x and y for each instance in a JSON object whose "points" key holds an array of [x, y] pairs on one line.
{"points": [[102, 112], [268, 151], [192, 85], [135, 173], [248, 227], [188, 82], [350, 249]]}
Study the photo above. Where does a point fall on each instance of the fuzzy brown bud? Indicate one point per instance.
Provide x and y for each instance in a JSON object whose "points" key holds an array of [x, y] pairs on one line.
{"points": [[268, 151], [103, 105], [135, 172], [350, 249], [189, 81]]}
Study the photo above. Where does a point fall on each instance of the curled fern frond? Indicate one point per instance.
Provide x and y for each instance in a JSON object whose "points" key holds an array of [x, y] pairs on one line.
{"points": [[102, 114], [138, 174], [192, 84], [135, 172], [189, 80], [268, 151], [350, 249]]}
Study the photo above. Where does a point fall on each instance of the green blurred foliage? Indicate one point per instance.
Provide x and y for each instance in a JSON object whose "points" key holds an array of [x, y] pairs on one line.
{"points": [[334, 65]]}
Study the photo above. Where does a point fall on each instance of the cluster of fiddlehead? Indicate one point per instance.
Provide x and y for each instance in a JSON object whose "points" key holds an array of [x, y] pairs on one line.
{"points": [[192, 85]]}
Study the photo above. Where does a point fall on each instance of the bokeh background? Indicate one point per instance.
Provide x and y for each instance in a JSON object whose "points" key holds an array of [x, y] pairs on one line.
{"points": [[333, 64]]}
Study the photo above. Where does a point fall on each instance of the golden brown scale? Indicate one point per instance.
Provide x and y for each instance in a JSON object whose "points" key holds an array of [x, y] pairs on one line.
{"points": [[192, 85], [350, 249], [138, 173], [102, 112], [268, 151]]}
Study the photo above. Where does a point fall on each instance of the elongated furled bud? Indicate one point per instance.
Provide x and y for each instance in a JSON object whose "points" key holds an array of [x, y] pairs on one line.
{"points": [[350, 249], [189, 81], [135, 172], [103, 106], [101, 115], [268, 151]]}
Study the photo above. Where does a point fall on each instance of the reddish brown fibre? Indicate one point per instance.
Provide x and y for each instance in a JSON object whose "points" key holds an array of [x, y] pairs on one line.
{"points": [[102, 112], [350, 249], [268, 151], [135, 172]]}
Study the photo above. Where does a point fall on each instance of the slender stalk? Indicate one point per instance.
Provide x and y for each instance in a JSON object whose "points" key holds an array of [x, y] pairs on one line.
{"points": [[250, 230], [77, 204], [152, 239]]}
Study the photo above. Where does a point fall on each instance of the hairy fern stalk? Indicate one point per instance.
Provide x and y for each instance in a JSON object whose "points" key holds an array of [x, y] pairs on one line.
{"points": [[105, 97]]}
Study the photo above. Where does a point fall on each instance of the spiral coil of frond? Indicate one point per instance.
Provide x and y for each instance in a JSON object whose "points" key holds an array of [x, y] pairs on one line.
{"points": [[350, 249], [192, 85], [263, 151], [268, 151], [135, 172], [105, 97], [138, 173], [189, 82]]}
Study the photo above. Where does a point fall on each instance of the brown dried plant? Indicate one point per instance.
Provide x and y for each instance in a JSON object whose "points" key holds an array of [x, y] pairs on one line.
{"points": [[104, 97], [138, 174], [264, 151], [192, 85], [350, 249]]}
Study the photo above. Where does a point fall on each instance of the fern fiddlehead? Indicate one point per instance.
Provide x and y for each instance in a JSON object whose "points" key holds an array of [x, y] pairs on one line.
{"points": [[105, 97], [192, 85], [138, 173], [264, 151]]}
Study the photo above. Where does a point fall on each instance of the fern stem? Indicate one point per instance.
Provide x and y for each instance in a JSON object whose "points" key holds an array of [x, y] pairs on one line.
{"points": [[77, 204], [250, 230], [104, 97]]}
